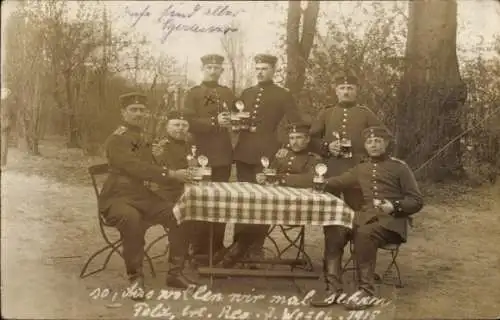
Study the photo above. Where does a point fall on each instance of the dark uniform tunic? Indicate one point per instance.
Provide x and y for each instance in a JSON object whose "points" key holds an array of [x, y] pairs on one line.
{"points": [[174, 156], [202, 105], [386, 178], [267, 104], [349, 121], [128, 204], [296, 168]]}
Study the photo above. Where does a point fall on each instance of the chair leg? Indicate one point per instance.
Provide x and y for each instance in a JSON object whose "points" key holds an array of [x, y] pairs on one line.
{"points": [[114, 248], [393, 263]]}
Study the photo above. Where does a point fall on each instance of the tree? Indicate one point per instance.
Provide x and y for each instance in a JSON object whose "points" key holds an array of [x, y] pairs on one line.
{"points": [[431, 92], [299, 41]]}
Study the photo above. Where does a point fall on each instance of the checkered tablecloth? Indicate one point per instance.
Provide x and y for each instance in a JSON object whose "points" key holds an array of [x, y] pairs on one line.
{"points": [[241, 202]]}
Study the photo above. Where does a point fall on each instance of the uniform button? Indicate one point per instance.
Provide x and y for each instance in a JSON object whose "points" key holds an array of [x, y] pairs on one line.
{"points": [[343, 126], [256, 106], [375, 188], [164, 174], [345, 120], [258, 99], [291, 158], [255, 111], [261, 89], [289, 162], [344, 133], [374, 164], [375, 194]]}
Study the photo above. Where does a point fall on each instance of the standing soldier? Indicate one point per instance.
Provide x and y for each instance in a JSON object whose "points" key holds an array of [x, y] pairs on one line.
{"points": [[267, 104], [296, 170], [337, 136], [208, 107], [126, 203], [391, 195]]}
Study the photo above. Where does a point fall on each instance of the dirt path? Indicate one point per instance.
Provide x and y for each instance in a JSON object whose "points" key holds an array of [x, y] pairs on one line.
{"points": [[450, 265]]}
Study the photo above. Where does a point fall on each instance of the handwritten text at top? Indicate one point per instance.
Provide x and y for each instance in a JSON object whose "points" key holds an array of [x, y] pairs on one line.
{"points": [[177, 18]]}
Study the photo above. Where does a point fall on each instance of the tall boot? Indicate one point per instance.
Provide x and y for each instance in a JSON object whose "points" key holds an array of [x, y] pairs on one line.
{"points": [[365, 296], [333, 281], [175, 276]]}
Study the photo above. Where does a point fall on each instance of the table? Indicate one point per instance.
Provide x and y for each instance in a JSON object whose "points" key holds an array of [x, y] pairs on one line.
{"points": [[249, 203]]}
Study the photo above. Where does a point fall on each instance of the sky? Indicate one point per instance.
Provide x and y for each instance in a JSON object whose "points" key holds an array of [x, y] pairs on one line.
{"points": [[257, 23]]}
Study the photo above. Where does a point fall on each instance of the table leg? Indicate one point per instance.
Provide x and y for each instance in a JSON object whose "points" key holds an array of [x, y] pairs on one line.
{"points": [[211, 252]]}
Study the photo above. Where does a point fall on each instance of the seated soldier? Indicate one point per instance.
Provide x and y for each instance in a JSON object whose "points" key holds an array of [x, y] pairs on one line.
{"points": [[128, 204], [296, 169], [391, 195], [173, 152]]}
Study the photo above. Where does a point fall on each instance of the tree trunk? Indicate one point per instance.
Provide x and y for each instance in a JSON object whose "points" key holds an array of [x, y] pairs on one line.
{"points": [[431, 93], [299, 44]]}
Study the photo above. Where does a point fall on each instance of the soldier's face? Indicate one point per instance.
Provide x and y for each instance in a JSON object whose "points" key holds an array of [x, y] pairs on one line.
{"points": [[376, 146], [346, 92], [134, 114], [177, 128], [264, 71], [298, 141], [212, 72]]}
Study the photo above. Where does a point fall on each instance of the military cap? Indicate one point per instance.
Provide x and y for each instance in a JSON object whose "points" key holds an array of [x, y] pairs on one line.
{"points": [[345, 78], [132, 98], [380, 132], [176, 114], [266, 58], [299, 128], [212, 59]]}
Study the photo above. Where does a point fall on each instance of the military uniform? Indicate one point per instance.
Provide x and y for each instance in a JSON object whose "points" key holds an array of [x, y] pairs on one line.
{"points": [[267, 104], [380, 178], [175, 156], [348, 120], [127, 203], [295, 170], [203, 103]]}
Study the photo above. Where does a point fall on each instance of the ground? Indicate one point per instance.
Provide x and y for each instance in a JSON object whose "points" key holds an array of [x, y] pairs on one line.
{"points": [[449, 266]]}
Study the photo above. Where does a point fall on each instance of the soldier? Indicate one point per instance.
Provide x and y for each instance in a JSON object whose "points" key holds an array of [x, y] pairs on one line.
{"points": [[267, 104], [295, 170], [126, 203], [208, 106], [391, 194], [173, 151]]}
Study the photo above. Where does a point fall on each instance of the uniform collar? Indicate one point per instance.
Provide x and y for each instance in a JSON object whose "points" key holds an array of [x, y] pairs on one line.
{"points": [[131, 127], [210, 84], [176, 141], [266, 83], [381, 158], [346, 104]]}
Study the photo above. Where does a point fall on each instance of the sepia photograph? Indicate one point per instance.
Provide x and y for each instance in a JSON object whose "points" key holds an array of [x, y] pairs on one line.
{"points": [[260, 160]]}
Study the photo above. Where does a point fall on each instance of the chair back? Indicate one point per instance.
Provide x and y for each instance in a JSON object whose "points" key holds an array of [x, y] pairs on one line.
{"points": [[96, 172]]}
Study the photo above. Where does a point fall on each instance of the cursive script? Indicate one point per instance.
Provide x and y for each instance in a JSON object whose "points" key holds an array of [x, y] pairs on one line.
{"points": [[176, 18]]}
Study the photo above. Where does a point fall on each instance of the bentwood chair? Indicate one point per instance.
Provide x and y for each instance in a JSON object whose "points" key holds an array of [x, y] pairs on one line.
{"points": [[97, 172]]}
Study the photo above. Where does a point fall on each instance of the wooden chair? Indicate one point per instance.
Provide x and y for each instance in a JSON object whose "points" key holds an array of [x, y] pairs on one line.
{"points": [[111, 247]]}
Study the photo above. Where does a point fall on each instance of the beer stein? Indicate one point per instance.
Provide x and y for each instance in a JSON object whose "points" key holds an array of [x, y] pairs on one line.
{"points": [[269, 173], [241, 117], [205, 172], [319, 179], [346, 148]]}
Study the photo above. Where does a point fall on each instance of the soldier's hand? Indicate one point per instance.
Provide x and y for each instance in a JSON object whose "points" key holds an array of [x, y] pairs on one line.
{"points": [[281, 153], [224, 119], [334, 147], [386, 206], [183, 175], [260, 178]]}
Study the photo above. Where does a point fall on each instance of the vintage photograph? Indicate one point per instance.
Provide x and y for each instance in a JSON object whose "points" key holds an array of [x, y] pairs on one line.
{"points": [[261, 160]]}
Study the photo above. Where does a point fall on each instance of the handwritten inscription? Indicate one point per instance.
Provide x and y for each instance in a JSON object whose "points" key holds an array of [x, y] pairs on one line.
{"points": [[186, 18], [221, 306]]}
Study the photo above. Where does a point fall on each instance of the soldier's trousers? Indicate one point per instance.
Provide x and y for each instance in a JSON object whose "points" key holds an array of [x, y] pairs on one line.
{"points": [[367, 239], [201, 229], [254, 233], [133, 219]]}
